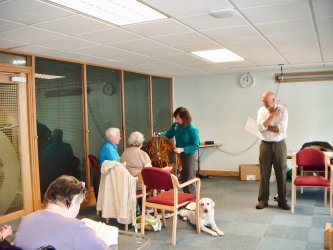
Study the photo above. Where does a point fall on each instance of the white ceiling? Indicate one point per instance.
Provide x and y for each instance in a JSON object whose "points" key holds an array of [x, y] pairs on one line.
{"points": [[265, 32]]}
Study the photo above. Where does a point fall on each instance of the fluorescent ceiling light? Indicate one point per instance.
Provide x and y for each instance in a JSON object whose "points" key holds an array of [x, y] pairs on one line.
{"points": [[49, 77], [218, 55], [119, 12]]}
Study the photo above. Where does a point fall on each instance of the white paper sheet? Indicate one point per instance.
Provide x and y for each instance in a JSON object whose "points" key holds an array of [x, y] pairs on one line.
{"points": [[252, 127]]}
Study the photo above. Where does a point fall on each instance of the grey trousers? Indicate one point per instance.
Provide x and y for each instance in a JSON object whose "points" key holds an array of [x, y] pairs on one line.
{"points": [[273, 153], [188, 171]]}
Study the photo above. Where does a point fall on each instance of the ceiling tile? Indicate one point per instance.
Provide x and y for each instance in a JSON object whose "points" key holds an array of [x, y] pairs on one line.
{"points": [[325, 25], [164, 50], [6, 44], [68, 43], [30, 35], [138, 44], [8, 25], [180, 39], [73, 25], [110, 36], [35, 49], [231, 33], [323, 8], [298, 26], [175, 8], [158, 27], [198, 46], [256, 3], [206, 21], [30, 11], [100, 51], [183, 59], [278, 13]]}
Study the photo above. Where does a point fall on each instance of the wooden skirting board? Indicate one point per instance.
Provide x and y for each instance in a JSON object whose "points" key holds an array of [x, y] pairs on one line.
{"points": [[219, 173]]}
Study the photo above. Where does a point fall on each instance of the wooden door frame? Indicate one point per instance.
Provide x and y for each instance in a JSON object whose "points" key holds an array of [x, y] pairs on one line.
{"points": [[28, 141]]}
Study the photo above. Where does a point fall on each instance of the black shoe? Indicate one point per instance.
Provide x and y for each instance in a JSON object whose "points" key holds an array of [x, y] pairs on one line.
{"points": [[284, 205], [262, 204]]}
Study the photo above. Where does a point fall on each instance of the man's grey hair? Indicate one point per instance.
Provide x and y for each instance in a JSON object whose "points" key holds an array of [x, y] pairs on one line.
{"points": [[112, 132], [136, 139]]}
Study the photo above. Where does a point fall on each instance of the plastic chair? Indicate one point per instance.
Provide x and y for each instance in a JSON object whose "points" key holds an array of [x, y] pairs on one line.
{"points": [[156, 178], [314, 159]]}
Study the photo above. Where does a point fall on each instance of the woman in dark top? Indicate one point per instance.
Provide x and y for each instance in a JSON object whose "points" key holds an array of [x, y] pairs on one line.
{"points": [[187, 143]]}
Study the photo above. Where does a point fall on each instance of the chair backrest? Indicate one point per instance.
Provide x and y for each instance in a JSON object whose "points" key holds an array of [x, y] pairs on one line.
{"points": [[156, 178], [93, 160], [311, 157]]}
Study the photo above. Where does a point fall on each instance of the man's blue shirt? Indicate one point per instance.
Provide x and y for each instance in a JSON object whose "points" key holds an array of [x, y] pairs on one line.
{"points": [[109, 151]]}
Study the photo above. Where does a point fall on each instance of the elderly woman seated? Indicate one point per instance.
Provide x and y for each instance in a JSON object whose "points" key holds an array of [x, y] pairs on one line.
{"points": [[57, 225], [135, 158]]}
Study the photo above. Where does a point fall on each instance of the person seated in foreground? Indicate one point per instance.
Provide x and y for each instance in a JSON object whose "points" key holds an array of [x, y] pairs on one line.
{"points": [[109, 150], [57, 225], [5, 232], [135, 158]]}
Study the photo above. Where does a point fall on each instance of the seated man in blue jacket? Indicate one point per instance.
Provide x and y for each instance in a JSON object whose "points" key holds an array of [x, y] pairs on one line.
{"points": [[109, 150]]}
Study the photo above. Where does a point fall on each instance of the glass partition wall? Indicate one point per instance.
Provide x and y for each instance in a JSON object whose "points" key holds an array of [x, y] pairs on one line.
{"points": [[68, 106]]}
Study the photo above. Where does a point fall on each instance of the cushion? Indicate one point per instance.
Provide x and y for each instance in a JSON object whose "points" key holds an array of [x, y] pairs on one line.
{"points": [[156, 178], [318, 181], [311, 157], [166, 198]]}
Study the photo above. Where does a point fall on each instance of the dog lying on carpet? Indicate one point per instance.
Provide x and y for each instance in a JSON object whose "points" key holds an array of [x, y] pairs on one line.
{"points": [[206, 214]]}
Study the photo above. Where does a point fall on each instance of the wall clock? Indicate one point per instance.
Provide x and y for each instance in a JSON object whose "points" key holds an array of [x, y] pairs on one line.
{"points": [[247, 80], [108, 89]]}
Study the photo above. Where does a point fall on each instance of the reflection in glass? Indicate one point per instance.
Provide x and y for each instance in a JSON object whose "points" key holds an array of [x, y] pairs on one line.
{"points": [[161, 91], [136, 104], [11, 194], [59, 120]]}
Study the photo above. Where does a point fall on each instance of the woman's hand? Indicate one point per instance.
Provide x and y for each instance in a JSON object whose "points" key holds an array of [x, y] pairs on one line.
{"points": [[178, 150], [6, 231]]}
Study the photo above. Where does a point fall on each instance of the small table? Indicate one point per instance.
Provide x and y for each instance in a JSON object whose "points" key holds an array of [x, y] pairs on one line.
{"points": [[204, 146], [127, 241]]}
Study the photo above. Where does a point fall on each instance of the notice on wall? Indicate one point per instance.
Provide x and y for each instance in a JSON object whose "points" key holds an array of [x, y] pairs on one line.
{"points": [[252, 127]]}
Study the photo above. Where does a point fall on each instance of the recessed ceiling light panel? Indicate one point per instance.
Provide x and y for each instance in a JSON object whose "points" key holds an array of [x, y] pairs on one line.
{"points": [[218, 55], [119, 12]]}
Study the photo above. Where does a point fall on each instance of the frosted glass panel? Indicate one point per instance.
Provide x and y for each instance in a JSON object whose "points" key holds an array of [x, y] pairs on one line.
{"points": [[104, 105], [137, 104], [161, 88], [59, 120]]}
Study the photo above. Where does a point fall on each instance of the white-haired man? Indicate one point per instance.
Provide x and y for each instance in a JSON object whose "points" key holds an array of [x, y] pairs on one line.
{"points": [[109, 150]]}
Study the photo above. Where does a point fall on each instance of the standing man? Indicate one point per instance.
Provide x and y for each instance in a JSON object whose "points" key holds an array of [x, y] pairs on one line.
{"points": [[272, 120], [109, 150], [187, 143]]}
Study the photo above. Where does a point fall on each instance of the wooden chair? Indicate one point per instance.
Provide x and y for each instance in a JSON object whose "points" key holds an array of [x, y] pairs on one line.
{"points": [[155, 178], [314, 159], [328, 237]]}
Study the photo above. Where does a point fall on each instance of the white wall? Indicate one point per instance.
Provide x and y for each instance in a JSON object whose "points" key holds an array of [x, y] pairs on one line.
{"points": [[220, 107]]}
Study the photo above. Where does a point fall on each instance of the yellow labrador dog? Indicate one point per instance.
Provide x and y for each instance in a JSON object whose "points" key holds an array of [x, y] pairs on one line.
{"points": [[206, 206]]}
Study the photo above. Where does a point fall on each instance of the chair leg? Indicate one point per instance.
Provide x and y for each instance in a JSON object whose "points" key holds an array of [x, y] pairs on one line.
{"points": [[143, 218], [197, 216], [325, 197], [126, 227], [163, 218], [331, 202], [107, 220], [293, 198], [302, 173], [174, 227]]}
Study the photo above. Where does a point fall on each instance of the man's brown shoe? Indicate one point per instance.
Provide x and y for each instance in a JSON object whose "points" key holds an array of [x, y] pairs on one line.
{"points": [[284, 205], [262, 204]]}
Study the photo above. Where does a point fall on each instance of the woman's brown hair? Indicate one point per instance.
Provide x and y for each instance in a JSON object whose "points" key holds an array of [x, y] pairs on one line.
{"points": [[183, 114], [63, 189]]}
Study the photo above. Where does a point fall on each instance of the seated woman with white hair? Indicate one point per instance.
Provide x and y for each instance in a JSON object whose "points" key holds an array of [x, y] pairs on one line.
{"points": [[135, 158]]}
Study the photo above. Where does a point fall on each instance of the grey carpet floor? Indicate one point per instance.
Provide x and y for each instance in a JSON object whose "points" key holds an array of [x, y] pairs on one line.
{"points": [[245, 227]]}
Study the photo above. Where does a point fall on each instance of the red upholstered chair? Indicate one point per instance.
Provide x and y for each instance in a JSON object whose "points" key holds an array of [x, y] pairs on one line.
{"points": [[156, 178], [311, 158], [94, 164]]}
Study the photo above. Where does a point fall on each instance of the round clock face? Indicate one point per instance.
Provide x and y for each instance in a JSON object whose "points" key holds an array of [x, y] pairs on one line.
{"points": [[247, 80], [108, 89]]}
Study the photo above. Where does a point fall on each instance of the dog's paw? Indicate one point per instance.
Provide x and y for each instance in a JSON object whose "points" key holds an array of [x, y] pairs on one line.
{"points": [[219, 232], [214, 234]]}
